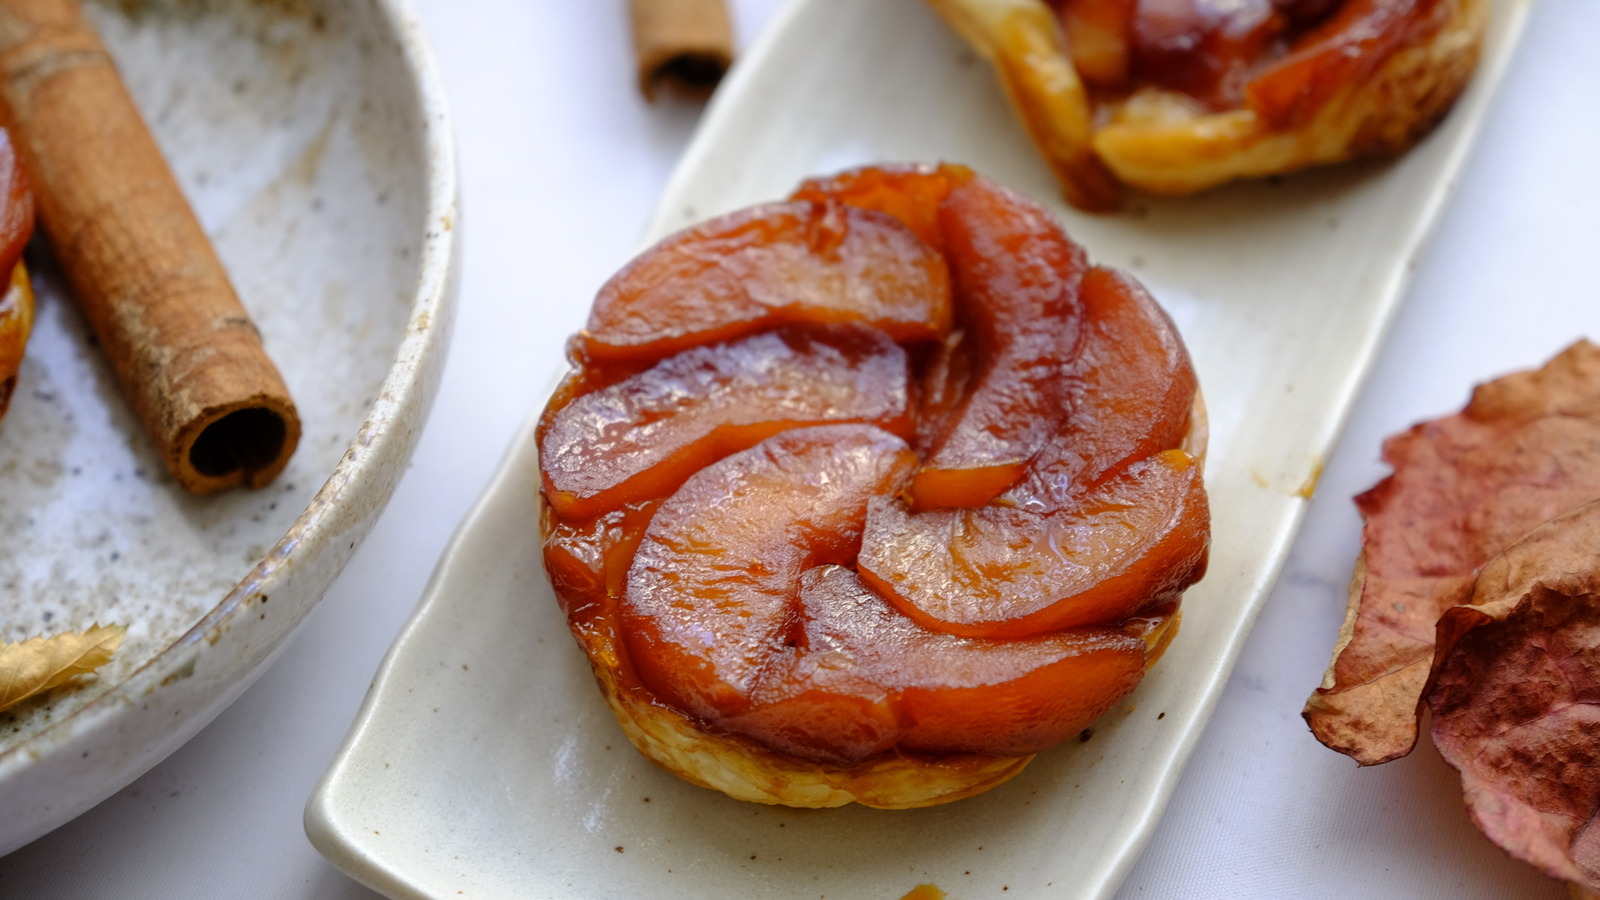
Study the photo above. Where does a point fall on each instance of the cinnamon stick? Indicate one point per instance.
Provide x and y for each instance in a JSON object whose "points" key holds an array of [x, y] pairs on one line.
{"points": [[685, 44], [186, 353]]}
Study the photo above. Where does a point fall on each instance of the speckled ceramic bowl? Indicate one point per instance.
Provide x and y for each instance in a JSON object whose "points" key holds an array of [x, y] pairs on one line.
{"points": [[311, 136]]}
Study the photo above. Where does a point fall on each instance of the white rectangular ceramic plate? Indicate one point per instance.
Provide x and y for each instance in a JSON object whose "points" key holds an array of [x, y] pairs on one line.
{"points": [[484, 763]]}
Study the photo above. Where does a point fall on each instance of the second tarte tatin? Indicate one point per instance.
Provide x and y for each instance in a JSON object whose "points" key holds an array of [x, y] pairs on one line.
{"points": [[872, 494], [1175, 96]]}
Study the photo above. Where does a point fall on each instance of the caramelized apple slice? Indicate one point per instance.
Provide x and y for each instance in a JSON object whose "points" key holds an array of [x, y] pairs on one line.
{"points": [[910, 193], [1132, 390], [1001, 572], [1346, 48], [915, 195], [1016, 275], [765, 266], [1099, 34], [641, 437], [1204, 49], [715, 583], [944, 373], [588, 559], [723, 620], [861, 678]]}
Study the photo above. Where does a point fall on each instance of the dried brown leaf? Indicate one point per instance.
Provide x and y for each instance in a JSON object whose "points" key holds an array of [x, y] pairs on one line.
{"points": [[1525, 450], [1516, 698], [38, 664]]}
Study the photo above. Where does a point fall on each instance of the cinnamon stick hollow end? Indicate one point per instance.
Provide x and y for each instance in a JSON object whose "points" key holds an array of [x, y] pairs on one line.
{"points": [[237, 441], [686, 45]]}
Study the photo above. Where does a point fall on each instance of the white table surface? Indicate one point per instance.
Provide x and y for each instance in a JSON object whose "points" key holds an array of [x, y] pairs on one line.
{"points": [[561, 163]]}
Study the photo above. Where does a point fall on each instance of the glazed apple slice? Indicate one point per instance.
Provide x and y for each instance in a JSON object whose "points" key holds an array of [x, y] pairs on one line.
{"points": [[714, 585], [861, 678], [1099, 36], [1132, 392], [736, 613], [943, 376], [1201, 48], [640, 437], [1345, 48], [1001, 572], [1102, 522], [588, 559], [910, 193], [913, 194], [996, 300], [1016, 276], [1126, 386], [765, 266], [994, 393]]}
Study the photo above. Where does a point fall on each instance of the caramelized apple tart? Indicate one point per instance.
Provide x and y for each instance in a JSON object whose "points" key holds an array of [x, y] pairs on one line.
{"points": [[1175, 96], [872, 494]]}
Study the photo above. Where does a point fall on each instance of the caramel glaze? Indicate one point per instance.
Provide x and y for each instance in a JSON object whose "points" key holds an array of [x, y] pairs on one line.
{"points": [[1048, 396], [1277, 56]]}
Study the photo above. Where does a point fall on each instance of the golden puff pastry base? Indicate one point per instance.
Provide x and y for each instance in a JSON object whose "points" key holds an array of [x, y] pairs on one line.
{"points": [[746, 770]]}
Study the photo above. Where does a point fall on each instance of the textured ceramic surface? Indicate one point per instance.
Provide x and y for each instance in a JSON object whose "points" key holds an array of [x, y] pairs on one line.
{"points": [[484, 763], [311, 138]]}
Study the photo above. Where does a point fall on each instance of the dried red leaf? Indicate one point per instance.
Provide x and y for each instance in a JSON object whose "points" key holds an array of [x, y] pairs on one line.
{"points": [[1525, 450], [1516, 697]]}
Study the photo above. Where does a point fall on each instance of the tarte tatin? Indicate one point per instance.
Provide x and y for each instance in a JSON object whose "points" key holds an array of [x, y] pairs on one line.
{"points": [[1175, 96], [872, 494]]}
